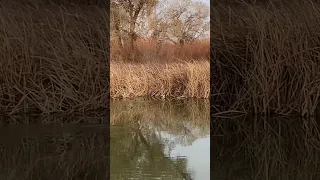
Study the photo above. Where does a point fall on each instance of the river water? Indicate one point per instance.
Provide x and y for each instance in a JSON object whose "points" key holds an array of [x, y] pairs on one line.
{"points": [[55, 147], [148, 140], [261, 148], [160, 140]]}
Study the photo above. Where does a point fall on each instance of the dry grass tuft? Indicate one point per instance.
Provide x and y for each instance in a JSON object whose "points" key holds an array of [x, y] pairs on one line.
{"points": [[170, 80]]}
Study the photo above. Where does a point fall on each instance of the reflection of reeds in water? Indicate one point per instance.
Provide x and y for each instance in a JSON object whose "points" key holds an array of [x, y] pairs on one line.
{"points": [[89, 118], [175, 115], [260, 148], [184, 120], [54, 147], [75, 156]]}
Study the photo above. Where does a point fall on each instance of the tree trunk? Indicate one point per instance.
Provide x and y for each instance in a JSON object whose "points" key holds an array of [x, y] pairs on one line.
{"points": [[119, 39], [132, 40], [132, 34]]}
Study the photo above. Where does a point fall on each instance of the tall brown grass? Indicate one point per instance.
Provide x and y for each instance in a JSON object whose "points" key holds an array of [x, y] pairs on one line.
{"points": [[160, 81], [172, 72], [146, 50], [53, 58], [266, 57]]}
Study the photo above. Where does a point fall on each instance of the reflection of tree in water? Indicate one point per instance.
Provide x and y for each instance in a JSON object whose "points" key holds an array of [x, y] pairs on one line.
{"points": [[261, 148], [136, 155], [141, 148], [188, 135], [188, 120]]}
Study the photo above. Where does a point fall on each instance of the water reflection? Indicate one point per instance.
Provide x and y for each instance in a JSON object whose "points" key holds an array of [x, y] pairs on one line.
{"points": [[64, 150], [160, 140], [265, 148]]}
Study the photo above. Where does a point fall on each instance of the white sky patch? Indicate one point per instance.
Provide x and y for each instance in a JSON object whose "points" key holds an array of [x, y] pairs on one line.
{"points": [[207, 2], [197, 154]]}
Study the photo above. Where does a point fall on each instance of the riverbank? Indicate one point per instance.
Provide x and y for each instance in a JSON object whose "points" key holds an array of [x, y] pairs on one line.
{"points": [[267, 60], [178, 79], [169, 72]]}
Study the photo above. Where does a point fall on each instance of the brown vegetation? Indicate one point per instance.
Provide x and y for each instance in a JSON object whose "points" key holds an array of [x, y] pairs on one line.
{"points": [[147, 51], [176, 72], [174, 80], [145, 64], [173, 72], [266, 58], [53, 58]]}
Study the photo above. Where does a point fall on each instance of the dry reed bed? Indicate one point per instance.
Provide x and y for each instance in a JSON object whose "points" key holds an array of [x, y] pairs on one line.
{"points": [[169, 80], [52, 58], [266, 58], [147, 51]]}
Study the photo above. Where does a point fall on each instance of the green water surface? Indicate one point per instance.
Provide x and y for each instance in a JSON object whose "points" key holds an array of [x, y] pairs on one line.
{"points": [[160, 140]]}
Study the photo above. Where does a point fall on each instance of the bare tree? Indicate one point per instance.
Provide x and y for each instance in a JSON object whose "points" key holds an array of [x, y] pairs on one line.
{"points": [[182, 20], [178, 21], [124, 18]]}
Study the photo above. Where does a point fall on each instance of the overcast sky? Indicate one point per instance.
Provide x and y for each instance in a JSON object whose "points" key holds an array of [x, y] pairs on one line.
{"points": [[205, 1]]}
